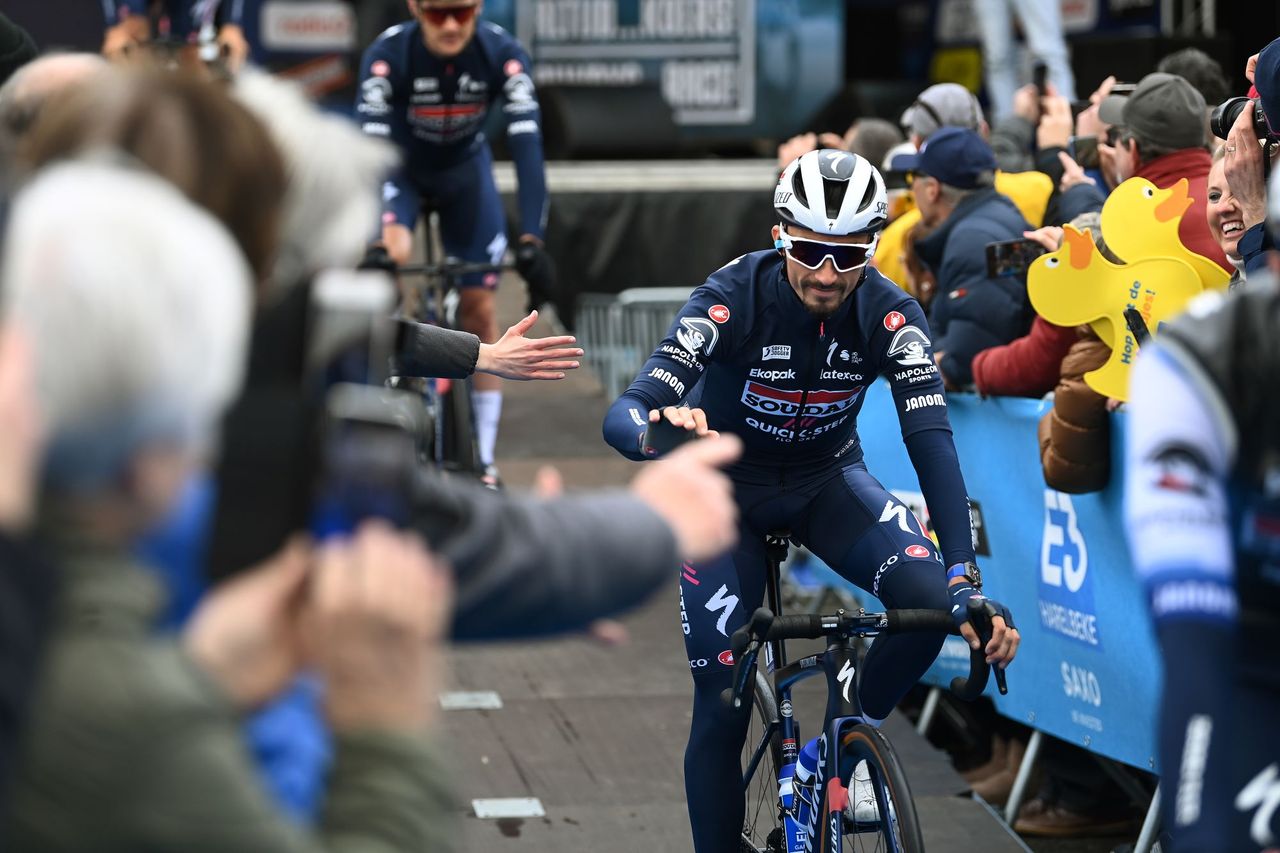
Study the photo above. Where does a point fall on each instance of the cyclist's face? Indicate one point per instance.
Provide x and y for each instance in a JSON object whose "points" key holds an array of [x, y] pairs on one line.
{"points": [[447, 25], [825, 289]]}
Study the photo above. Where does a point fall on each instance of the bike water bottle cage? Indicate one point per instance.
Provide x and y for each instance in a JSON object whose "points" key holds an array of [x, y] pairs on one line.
{"points": [[845, 257]]}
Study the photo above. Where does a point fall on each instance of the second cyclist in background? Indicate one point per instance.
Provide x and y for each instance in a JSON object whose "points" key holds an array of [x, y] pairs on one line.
{"points": [[427, 85]]}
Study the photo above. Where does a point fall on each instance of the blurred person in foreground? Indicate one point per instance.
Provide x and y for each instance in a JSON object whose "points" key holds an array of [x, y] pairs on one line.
{"points": [[134, 739], [954, 187], [24, 95], [1202, 507]]}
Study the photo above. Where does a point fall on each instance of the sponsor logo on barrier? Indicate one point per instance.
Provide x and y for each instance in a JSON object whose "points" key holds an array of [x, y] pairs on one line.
{"points": [[781, 352], [772, 375], [668, 378], [978, 529], [1066, 596], [1080, 683], [908, 347], [723, 603], [697, 335], [726, 657]]}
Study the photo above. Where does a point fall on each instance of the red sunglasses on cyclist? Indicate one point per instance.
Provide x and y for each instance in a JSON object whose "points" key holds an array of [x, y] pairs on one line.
{"points": [[846, 257], [437, 16]]}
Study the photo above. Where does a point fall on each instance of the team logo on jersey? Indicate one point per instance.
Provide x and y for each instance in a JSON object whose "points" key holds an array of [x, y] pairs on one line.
{"points": [[918, 551], [512, 67], [894, 320], [697, 335], [817, 404], [719, 313], [776, 351], [375, 93], [1182, 469], [380, 68], [908, 346], [518, 90], [845, 355]]}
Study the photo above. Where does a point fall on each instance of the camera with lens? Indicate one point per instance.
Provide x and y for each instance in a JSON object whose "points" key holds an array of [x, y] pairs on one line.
{"points": [[1225, 115]]}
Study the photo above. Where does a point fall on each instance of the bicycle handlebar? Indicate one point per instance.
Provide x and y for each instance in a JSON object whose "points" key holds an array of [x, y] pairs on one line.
{"points": [[764, 627], [452, 268]]}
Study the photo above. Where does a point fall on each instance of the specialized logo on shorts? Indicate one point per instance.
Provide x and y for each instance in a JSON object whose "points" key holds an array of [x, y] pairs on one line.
{"points": [[697, 335], [719, 313], [918, 551], [908, 347], [723, 603], [817, 404], [776, 351], [894, 320]]}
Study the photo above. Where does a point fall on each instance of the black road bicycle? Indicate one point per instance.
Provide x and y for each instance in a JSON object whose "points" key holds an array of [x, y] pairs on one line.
{"points": [[835, 823]]}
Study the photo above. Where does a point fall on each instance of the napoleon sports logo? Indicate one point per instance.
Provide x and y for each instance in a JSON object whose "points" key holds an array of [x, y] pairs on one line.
{"points": [[817, 404]]}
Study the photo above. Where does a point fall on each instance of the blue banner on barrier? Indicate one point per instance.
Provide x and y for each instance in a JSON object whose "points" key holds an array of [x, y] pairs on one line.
{"points": [[1088, 668]]}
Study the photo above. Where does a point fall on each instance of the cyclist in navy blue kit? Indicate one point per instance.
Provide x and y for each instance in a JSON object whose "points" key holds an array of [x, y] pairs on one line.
{"points": [[131, 23], [779, 347], [1202, 506], [427, 85]]}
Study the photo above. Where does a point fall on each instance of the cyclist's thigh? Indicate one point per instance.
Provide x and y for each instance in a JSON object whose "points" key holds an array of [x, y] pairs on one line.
{"points": [[716, 598], [473, 225], [401, 203], [858, 528]]}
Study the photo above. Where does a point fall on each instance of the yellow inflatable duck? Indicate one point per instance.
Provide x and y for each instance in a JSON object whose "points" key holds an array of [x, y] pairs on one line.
{"points": [[1076, 285], [1137, 200]]}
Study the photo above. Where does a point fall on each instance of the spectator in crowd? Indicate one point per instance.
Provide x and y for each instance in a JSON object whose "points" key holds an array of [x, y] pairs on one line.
{"points": [[133, 741], [870, 138], [1225, 215], [1160, 136], [954, 189], [1041, 23], [1245, 171], [1029, 366], [30, 87], [1204, 74], [26, 585], [951, 105], [187, 130]]}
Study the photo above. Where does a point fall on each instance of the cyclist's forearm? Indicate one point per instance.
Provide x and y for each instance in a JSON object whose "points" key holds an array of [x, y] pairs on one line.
{"points": [[625, 424], [933, 454], [526, 152]]}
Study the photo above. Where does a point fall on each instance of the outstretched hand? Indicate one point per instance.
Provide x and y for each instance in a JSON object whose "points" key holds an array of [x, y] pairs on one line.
{"points": [[693, 497], [515, 356]]}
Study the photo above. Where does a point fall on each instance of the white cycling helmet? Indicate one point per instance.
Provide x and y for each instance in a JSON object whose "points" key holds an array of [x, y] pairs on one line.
{"points": [[834, 192]]}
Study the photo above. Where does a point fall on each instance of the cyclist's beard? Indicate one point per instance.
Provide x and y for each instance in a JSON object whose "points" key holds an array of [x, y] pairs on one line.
{"points": [[821, 301]]}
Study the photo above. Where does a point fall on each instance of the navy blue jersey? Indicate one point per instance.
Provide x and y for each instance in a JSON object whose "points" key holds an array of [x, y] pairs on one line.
{"points": [[790, 385], [434, 109], [181, 18]]}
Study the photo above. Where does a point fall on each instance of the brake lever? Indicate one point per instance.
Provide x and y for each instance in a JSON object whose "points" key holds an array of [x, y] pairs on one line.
{"points": [[746, 643]]}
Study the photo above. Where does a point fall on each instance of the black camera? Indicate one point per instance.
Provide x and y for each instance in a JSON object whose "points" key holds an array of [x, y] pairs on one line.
{"points": [[1226, 113]]}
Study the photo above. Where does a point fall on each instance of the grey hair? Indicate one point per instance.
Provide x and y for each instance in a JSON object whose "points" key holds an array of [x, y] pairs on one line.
{"points": [[874, 138], [25, 93], [138, 306], [334, 174]]}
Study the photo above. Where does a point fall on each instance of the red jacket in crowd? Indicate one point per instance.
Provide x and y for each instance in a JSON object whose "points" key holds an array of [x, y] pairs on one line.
{"points": [[1192, 164], [1027, 367]]}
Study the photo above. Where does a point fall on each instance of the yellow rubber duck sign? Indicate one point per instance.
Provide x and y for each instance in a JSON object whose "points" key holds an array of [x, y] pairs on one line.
{"points": [[1077, 285]]}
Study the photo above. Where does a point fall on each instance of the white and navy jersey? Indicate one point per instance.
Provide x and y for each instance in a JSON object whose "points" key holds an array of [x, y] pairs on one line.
{"points": [[435, 109], [790, 385], [1202, 507]]}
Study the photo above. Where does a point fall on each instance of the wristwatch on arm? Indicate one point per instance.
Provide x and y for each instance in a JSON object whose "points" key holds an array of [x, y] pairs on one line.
{"points": [[969, 571]]}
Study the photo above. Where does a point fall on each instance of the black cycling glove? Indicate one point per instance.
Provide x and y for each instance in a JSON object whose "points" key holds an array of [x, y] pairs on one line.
{"points": [[962, 593], [538, 271], [378, 258]]}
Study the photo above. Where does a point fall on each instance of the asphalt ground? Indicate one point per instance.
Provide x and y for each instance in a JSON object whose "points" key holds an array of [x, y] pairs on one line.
{"points": [[596, 732]]}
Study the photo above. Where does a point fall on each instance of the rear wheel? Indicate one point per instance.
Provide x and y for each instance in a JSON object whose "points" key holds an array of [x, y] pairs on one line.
{"points": [[894, 828], [762, 823]]}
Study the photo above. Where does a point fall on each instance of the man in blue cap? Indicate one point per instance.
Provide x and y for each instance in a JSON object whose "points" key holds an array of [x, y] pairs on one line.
{"points": [[954, 177]]}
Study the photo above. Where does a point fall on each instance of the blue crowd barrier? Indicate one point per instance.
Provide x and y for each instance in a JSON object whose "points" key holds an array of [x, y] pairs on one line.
{"points": [[1088, 668]]}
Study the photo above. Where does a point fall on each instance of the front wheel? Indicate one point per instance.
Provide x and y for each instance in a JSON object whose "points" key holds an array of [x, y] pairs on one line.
{"points": [[893, 826], [762, 824]]}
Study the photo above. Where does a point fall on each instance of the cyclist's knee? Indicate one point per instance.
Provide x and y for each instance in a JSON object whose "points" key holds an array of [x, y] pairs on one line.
{"points": [[915, 584], [399, 242], [712, 717]]}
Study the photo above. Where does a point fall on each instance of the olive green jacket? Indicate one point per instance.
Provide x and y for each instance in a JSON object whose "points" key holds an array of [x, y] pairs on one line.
{"points": [[129, 747]]}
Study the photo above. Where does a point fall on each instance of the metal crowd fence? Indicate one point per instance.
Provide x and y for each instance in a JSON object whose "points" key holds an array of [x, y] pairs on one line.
{"points": [[619, 331]]}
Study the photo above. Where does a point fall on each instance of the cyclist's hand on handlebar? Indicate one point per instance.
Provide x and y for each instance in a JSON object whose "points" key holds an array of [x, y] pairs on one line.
{"points": [[695, 499], [376, 257], [685, 417], [1003, 645], [537, 269], [514, 356]]}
